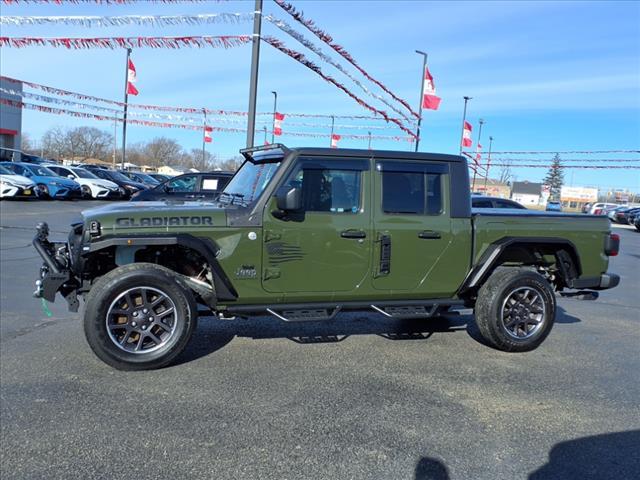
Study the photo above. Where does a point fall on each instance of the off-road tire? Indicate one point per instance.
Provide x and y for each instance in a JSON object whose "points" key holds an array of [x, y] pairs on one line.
{"points": [[492, 297], [108, 288]]}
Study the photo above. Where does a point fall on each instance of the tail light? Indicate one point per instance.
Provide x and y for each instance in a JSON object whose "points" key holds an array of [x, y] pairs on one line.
{"points": [[597, 211], [612, 245]]}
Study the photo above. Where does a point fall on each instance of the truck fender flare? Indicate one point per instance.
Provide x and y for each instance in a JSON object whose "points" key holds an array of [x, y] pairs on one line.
{"points": [[206, 247], [488, 261]]}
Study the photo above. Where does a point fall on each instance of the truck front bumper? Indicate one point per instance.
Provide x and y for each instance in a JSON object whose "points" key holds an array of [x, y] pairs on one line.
{"points": [[55, 274], [603, 282]]}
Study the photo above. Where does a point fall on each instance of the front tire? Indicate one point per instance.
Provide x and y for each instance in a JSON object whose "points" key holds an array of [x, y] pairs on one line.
{"points": [[139, 317], [86, 192], [515, 309], [44, 191]]}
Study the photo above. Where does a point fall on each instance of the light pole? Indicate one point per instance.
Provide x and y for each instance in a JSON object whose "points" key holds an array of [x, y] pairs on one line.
{"points": [[475, 170], [369, 140], [253, 84], [265, 134], [275, 109], [464, 118], [488, 164], [424, 68]]}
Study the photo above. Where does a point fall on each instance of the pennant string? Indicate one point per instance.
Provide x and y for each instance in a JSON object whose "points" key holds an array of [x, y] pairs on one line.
{"points": [[219, 41], [125, 20], [325, 37], [300, 58]]}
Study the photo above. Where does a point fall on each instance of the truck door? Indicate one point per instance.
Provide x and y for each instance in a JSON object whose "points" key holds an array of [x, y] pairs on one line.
{"points": [[326, 248], [418, 247]]}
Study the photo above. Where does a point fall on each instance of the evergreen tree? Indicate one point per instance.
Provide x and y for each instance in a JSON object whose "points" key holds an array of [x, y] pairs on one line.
{"points": [[555, 178]]}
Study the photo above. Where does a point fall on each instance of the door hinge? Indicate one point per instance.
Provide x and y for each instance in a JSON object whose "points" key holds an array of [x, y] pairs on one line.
{"points": [[271, 235], [271, 273]]}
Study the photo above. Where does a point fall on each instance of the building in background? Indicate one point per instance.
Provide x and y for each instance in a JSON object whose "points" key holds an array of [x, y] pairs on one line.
{"points": [[10, 116], [574, 198], [494, 188], [170, 170], [528, 194]]}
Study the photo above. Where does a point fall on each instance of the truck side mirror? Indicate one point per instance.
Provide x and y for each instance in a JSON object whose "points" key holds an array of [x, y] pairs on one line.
{"points": [[289, 199]]}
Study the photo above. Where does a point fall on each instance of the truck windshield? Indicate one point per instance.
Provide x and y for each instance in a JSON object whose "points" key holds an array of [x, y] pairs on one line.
{"points": [[249, 182]]}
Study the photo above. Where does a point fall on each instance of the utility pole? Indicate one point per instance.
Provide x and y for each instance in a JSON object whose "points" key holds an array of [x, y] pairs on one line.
{"points": [[275, 110], [475, 170], [424, 69], [265, 134], [253, 84], [115, 139], [488, 164], [333, 121], [126, 100], [464, 118], [204, 136], [369, 140]]}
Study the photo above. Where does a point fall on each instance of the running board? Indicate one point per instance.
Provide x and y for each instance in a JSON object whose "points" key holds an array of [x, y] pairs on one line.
{"points": [[407, 312], [317, 312], [305, 315]]}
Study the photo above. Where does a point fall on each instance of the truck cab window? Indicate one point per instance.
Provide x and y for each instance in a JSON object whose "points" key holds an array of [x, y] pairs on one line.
{"points": [[411, 193], [328, 190]]}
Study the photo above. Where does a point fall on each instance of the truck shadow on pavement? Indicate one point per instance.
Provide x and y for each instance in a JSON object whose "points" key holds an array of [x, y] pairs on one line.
{"points": [[610, 456], [214, 333]]}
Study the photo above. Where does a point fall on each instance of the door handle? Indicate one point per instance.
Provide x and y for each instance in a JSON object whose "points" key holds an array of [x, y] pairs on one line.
{"points": [[429, 235], [353, 234]]}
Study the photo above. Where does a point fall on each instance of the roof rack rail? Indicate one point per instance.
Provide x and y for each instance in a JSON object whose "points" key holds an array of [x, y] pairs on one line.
{"points": [[246, 152]]}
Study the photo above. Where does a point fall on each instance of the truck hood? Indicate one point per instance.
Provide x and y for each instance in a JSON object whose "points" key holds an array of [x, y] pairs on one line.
{"points": [[156, 217]]}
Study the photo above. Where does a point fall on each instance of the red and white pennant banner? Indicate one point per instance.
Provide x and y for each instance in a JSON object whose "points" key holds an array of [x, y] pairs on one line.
{"points": [[126, 20], [466, 135], [328, 39], [278, 118], [102, 2], [132, 78], [299, 57], [207, 134], [429, 99], [219, 41], [335, 138]]}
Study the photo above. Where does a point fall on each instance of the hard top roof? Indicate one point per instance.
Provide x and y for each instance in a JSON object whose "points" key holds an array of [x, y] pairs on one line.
{"points": [[278, 150]]}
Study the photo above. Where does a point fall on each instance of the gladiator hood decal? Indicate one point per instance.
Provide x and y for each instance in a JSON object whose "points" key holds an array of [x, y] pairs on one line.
{"points": [[145, 217]]}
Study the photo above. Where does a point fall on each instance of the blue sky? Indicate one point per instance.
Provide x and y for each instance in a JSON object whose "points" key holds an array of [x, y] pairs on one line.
{"points": [[543, 75]]}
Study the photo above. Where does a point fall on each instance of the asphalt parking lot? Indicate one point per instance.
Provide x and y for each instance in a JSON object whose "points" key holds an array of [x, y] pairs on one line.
{"points": [[258, 399]]}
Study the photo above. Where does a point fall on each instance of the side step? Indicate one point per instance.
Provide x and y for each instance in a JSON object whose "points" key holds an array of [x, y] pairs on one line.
{"points": [[305, 315], [407, 312]]}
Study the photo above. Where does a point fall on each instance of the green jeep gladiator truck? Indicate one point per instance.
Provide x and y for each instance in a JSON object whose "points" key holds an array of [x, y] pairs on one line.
{"points": [[302, 234]]}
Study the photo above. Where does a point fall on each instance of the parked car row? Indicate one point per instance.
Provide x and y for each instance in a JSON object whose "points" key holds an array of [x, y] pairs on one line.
{"points": [[54, 181]]}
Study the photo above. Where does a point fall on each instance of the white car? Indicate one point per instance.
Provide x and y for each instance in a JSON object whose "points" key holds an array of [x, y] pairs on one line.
{"points": [[92, 186], [14, 186]]}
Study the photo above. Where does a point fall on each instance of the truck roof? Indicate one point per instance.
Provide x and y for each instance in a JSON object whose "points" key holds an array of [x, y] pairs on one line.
{"points": [[278, 149]]}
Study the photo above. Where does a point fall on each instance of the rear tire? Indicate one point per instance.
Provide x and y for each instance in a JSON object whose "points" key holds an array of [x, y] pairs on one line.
{"points": [[515, 309], [139, 317]]}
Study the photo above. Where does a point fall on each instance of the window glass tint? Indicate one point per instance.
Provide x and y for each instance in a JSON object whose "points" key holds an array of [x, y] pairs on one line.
{"points": [[481, 204], [82, 173], [411, 193], [328, 190], [183, 184]]}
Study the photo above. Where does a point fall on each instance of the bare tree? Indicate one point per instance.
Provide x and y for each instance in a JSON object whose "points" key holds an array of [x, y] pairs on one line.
{"points": [[162, 151], [79, 143], [505, 173]]}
